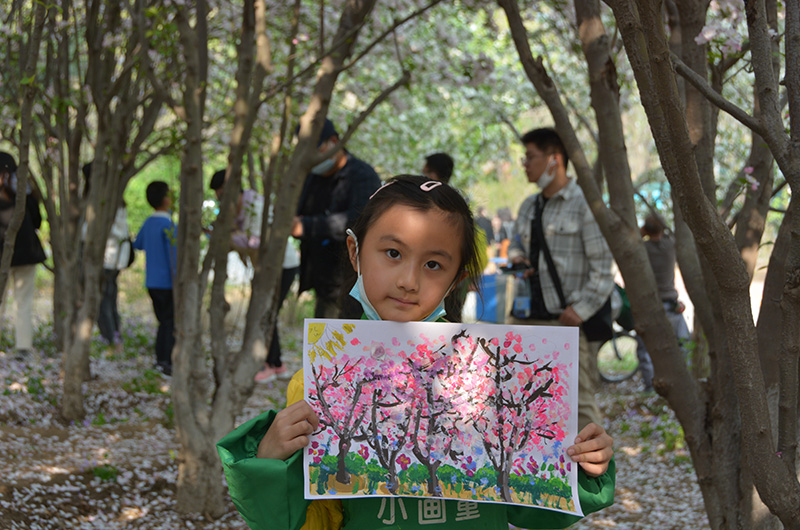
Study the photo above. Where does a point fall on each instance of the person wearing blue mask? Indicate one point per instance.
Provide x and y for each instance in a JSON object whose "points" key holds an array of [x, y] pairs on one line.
{"points": [[334, 193]]}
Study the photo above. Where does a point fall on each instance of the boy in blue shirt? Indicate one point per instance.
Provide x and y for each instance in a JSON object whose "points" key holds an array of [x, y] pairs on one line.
{"points": [[157, 239]]}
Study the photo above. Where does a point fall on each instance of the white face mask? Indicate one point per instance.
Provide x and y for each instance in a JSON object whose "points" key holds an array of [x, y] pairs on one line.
{"points": [[360, 294], [549, 174]]}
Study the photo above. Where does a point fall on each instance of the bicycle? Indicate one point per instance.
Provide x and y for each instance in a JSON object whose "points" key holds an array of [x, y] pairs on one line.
{"points": [[616, 358]]}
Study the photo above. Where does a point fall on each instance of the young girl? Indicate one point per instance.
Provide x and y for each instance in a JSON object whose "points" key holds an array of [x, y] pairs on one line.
{"points": [[412, 244]]}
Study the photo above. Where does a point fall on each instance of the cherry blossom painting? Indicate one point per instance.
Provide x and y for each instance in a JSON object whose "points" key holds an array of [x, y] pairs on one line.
{"points": [[475, 412]]}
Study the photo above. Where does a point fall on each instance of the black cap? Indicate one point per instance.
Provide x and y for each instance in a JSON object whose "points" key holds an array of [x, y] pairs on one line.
{"points": [[328, 130]]}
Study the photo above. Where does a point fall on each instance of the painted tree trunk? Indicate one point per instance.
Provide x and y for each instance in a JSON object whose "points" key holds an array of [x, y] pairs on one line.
{"points": [[433, 485], [391, 480], [342, 475]]}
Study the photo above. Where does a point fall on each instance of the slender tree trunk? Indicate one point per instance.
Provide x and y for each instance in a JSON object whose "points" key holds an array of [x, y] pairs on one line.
{"points": [[79, 339], [701, 119], [648, 52], [770, 324], [391, 480], [342, 476], [503, 479], [199, 487], [434, 488]]}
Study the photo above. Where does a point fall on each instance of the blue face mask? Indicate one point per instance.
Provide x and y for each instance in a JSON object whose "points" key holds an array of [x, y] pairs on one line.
{"points": [[360, 294], [323, 167]]}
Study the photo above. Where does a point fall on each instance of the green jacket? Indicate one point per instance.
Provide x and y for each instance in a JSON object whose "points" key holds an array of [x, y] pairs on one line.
{"points": [[269, 495]]}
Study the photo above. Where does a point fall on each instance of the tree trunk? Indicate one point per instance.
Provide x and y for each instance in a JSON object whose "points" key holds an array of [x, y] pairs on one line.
{"points": [[199, 487], [434, 488], [391, 480], [648, 52], [770, 323], [83, 303], [342, 476], [701, 120], [503, 482], [62, 285]]}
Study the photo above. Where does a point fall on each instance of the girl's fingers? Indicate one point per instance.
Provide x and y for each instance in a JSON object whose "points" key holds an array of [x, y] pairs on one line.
{"points": [[297, 412], [603, 455], [591, 430], [295, 430], [592, 449], [596, 444], [594, 470], [289, 432]]}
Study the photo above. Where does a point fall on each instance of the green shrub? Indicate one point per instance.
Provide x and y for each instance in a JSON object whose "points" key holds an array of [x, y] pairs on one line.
{"points": [[106, 472], [149, 382]]}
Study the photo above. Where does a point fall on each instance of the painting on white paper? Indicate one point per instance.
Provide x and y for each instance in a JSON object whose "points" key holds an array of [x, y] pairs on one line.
{"points": [[474, 412]]}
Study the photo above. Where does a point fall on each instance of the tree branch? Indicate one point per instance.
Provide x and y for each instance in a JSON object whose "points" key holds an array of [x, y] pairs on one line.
{"points": [[305, 71], [403, 81], [715, 97], [389, 30]]}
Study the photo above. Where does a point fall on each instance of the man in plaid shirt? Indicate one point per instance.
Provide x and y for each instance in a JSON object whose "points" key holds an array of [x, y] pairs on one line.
{"points": [[579, 251]]}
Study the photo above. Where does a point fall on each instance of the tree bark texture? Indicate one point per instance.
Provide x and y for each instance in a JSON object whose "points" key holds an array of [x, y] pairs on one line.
{"points": [[626, 245], [649, 55], [199, 489], [125, 117]]}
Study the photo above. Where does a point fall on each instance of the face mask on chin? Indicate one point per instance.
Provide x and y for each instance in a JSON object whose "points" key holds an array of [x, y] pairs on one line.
{"points": [[360, 294], [323, 167], [548, 176], [326, 165]]}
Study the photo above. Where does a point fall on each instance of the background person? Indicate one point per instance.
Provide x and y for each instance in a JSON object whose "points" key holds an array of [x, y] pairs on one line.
{"points": [[485, 224], [245, 239], [157, 239], [333, 196], [116, 257], [28, 252], [579, 250], [438, 166], [661, 252]]}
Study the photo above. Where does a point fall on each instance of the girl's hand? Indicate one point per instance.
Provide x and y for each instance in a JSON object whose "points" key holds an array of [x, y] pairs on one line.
{"points": [[289, 431], [592, 450]]}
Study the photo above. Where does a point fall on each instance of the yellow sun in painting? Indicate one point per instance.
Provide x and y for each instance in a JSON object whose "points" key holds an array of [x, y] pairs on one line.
{"points": [[315, 332], [326, 340]]}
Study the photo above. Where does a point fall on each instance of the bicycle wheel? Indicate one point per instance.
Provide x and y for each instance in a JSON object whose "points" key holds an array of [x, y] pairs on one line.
{"points": [[616, 358]]}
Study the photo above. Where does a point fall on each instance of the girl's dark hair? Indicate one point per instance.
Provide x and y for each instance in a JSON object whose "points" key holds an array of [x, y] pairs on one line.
{"points": [[424, 194]]}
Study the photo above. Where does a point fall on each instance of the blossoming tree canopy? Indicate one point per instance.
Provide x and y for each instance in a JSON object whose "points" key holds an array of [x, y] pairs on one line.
{"points": [[474, 412]]}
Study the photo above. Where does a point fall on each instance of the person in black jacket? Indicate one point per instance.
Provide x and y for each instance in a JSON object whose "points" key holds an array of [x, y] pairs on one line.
{"points": [[333, 196], [28, 253]]}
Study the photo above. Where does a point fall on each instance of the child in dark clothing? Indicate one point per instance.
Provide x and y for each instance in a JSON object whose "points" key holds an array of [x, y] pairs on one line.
{"points": [[157, 239]]}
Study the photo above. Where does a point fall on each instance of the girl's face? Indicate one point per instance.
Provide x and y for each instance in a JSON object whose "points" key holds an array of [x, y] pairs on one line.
{"points": [[409, 260]]}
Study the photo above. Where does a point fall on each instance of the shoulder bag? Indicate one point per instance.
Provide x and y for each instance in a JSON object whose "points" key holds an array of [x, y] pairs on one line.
{"points": [[599, 326]]}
